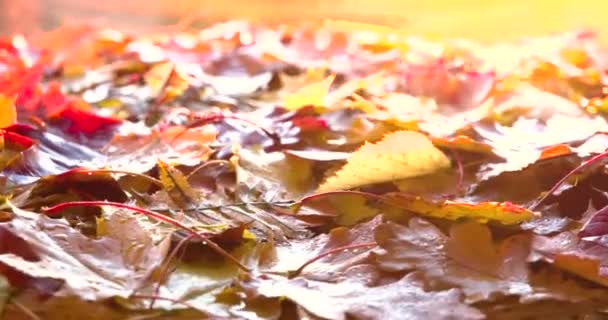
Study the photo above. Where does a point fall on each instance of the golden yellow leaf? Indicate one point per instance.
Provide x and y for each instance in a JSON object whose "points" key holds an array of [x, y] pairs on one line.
{"points": [[312, 94], [175, 183], [503, 212], [400, 155], [158, 76], [8, 113]]}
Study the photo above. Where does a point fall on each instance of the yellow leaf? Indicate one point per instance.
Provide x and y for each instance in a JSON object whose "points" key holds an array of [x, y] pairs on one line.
{"points": [[352, 209], [400, 155], [8, 113], [503, 212], [175, 183], [312, 94], [158, 76]]}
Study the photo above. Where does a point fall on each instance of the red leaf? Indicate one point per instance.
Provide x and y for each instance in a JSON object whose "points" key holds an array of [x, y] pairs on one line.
{"points": [[81, 120]]}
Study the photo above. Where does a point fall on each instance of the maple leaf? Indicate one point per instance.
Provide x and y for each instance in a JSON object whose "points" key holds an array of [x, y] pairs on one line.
{"points": [[89, 268], [405, 298], [400, 155], [292, 256], [468, 258], [527, 140]]}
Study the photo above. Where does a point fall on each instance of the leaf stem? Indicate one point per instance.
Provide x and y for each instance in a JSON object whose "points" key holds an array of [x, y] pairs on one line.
{"points": [[164, 274], [315, 196], [129, 173], [155, 215], [582, 166], [176, 301], [330, 252]]}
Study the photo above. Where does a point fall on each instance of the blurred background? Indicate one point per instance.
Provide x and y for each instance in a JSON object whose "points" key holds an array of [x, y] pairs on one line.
{"points": [[485, 20]]}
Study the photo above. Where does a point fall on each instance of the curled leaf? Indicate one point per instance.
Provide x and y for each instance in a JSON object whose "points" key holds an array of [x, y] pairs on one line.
{"points": [[503, 212]]}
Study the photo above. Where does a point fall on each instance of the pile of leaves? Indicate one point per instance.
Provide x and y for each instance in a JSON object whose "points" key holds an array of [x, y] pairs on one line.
{"points": [[333, 171]]}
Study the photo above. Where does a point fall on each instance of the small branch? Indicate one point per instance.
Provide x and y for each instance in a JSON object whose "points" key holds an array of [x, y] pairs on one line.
{"points": [[57, 208]]}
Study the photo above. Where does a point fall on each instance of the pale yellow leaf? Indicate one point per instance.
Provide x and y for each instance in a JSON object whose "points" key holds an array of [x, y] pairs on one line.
{"points": [[400, 155], [312, 94]]}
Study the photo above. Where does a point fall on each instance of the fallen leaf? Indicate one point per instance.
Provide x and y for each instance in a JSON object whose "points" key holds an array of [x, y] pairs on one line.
{"points": [[89, 268], [176, 185], [584, 258], [291, 256], [468, 258], [400, 155], [8, 112], [483, 212], [312, 94], [404, 298]]}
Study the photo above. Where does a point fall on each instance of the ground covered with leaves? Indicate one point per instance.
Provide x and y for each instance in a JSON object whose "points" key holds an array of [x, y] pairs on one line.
{"points": [[334, 171]]}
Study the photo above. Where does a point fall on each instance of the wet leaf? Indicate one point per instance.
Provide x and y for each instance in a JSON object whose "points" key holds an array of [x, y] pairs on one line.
{"points": [[505, 212], [176, 185], [468, 258], [353, 299], [89, 268]]}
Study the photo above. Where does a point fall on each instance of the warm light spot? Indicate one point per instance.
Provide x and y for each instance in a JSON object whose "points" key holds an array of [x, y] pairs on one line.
{"points": [[592, 109], [555, 151]]}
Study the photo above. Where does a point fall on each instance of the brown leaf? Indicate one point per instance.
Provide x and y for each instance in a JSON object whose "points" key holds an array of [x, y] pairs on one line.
{"points": [[352, 299], [468, 258], [89, 268], [292, 255]]}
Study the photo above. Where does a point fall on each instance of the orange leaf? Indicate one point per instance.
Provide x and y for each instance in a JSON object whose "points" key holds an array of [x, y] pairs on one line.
{"points": [[8, 113]]}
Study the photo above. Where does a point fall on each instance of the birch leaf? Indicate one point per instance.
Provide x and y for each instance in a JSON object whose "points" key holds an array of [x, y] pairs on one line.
{"points": [[400, 155]]}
